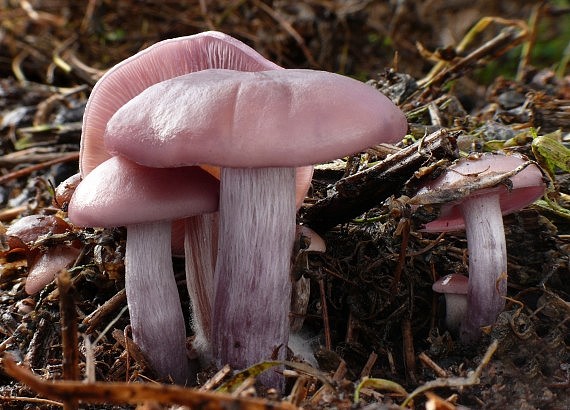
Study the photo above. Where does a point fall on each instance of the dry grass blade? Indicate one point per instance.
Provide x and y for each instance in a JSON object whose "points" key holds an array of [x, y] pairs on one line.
{"points": [[516, 32]]}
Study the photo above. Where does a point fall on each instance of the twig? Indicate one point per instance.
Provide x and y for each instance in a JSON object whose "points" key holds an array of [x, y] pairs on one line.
{"points": [[105, 309], [408, 349], [69, 339], [134, 393], [325, 314], [367, 369], [527, 47], [426, 360], [26, 171], [33, 400], [472, 379], [358, 193]]}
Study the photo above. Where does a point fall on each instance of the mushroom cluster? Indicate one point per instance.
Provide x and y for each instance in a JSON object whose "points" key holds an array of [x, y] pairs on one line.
{"points": [[195, 235], [474, 194], [257, 126], [211, 100]]}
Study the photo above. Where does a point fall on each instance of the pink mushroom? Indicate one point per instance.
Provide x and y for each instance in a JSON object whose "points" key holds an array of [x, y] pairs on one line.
{"points": [[44, 262], [475, 192], [146, 200], [454, 288], [258, 127], [162, 61]]}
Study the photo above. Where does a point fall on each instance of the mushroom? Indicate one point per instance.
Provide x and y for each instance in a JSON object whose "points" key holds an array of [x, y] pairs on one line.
{"points": [[44, 260], [146, 200], [257, 126], [474, 193], [454, 288], [162, 61], [64, 192]]}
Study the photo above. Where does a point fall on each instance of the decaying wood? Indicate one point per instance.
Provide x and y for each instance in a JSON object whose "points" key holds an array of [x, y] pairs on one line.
{"points": [[358, 193]]}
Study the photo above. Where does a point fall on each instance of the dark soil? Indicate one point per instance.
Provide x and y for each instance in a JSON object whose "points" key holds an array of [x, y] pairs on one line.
{"points": [[371, 310]]}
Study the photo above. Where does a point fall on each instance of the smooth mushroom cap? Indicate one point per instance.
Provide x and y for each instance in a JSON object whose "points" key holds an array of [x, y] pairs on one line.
{"points": [[525, 187], [454, 288], [119, 193], [46, 266], [451, 284], [159, 62], [31, 228], [278, 118], [315, 242], [43, 265]]}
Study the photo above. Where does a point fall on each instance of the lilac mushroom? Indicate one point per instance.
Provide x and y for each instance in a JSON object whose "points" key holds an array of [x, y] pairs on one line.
{"points": [[146, 200], [454, 289], [162, 61], [482, 188], [44, 262], [258, 127]]}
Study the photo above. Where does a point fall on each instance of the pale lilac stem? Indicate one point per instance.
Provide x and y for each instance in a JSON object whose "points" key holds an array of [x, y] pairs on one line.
{"points": [[487, 284], [154, 304], [253, 285], [200, 249]]}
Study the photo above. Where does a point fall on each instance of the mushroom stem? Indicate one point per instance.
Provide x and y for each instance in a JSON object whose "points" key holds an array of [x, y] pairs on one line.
{"points": [[154, 304], [200, 247], [253, 285], [455, 309], [487, 284]]}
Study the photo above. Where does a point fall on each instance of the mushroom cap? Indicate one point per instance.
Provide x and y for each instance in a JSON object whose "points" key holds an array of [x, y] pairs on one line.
{"points": [[159, 62], [453, 283], [119, 192], [316, 242], [46, 265], [30, 228], [277, 118], [525, 187]]}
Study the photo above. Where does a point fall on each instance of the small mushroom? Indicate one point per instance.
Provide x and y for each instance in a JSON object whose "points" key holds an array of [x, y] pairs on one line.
{"points": [[146, 201], [454, 288], [257, 126], [64, 192], [474, 193], [44, 260]]}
